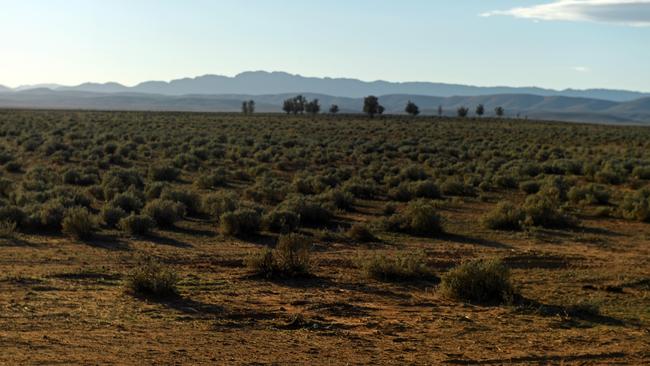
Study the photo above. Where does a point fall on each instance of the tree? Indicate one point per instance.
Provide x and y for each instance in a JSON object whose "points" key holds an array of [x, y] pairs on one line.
{"points": [[412, 109], [462, 112], [440, 111], [287, 107], [371, 105], [248, 107], [499, 111], [480, 110], [312, 107], [380, 109], [299, 104], [334, 109]]}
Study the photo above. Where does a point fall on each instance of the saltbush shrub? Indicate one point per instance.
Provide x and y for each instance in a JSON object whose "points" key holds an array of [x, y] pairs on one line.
{"points": [[150, 278], [289, 259], [505, 216], [281, 221], [397, 267], [164, 212], [79, 223], [479, 281], [242, 222], [137, 224]]}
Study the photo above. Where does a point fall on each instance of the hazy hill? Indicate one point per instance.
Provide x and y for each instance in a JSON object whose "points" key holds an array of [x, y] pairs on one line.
{"points": [[534, 106], [263, 83]]}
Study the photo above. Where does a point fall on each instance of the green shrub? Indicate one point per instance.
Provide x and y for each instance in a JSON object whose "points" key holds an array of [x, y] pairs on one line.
{"points": [[641, 172], [479, 281], [190, 199], [242, 222], [636, 205], [164, 212], [79, 223], [425, 189], [419, 218], [130, 202], [219, 203], [13, 214], [163, 173], [361, 233], [311, 212], [137, 224], [112, 215], [530, 186], [155, 190], [341, 199], [290, 258], [505, 216], [51, 215], [7, 229], [211, 180], [593, 194], [152, 279], [281, 221], [542, 210], [454, 187], [396, 267]]}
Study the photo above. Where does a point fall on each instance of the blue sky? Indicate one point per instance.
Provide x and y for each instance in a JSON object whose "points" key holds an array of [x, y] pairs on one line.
{"points": [[565, 44]]}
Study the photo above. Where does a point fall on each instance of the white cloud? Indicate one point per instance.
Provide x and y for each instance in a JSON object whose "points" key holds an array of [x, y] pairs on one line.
{"points": [[581, 69], [634, 13]]}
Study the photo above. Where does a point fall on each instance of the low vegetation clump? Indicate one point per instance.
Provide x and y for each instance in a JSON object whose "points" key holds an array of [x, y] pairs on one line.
{"points": [[636, 205], [164, 212], [7, 229], [137, 224], [281, 221], [290, 258], [505, 216], [242, 222], [218, 203], [419, 218], [479, 281], [543, 211], [151, 278], [361, 233], [79, 223], [397, 267]]}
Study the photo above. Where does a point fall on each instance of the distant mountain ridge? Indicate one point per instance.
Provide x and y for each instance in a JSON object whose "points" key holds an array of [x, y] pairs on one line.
{"points": [[523, 105], [265, 83]]}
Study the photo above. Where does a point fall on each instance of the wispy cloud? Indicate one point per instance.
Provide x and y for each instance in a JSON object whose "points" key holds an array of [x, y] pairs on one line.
{"points": [[634, 13], [581, 69]]}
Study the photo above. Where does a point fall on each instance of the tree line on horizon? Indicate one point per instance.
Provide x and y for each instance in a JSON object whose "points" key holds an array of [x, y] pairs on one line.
{"points": [[371, 106]]}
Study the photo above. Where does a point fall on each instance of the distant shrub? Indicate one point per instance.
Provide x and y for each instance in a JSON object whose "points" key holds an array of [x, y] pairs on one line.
{"points": [[641, 172], [401, 193], [164, 212], [137, 224], [341, 199], [505, 216], [281, 221], [163, 173], [128, 201], [530, 186], [361, 233], [190, 199], [419, 218], [155, 189], [397, 267], [455, 187], [290, 258], [51, 215], [11, 213], [79, 223], [7, 229], [310, 211], [151, 278], [361, 189], [242, 222], [425, 189], [636, 205], [479, 281], [112, 215], [218, 203], [589, 194], [542, 210], [211, 180]]}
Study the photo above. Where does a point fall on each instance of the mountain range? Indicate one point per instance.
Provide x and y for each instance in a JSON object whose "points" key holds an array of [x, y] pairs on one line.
{"points": [[220, 93]]}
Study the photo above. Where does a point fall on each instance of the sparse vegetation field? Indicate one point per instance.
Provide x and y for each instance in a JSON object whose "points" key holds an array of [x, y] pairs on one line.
{"points": [[190, 238]]}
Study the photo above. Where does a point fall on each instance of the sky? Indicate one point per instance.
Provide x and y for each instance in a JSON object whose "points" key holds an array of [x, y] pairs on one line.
{"points": [[548, 43]]}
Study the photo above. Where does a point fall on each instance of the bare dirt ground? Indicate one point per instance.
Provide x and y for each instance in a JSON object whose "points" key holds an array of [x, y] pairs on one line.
{"points": [[64, 302]]}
